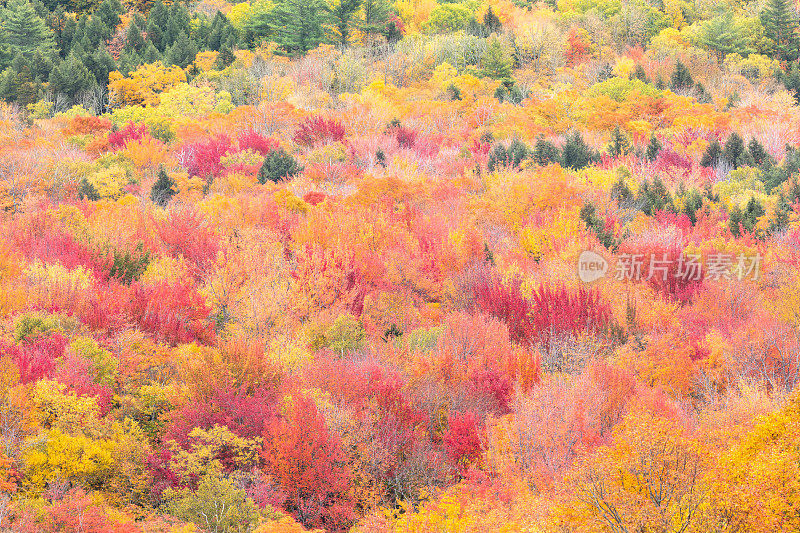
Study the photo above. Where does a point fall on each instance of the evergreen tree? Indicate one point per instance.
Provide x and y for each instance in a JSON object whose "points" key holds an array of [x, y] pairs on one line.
{"points": [[508, 157], [163, 189], [96, 32], [640, 74], [224, 58], [71, 77], [278, 165], [375, 14], [576, 154], [620, 192], [545, 152], [620, 145], [653, 148], [734, 151], [724, 35], [134, 41], [780, 27], [759, 153], [781, 217], [692, 202], [25, 31], [100, 63], [179, 22], [297, 24], [109, 13], [791, 80], [681, 78], [342, 14], [151, 53], [496, 62], [18, 83], [157, 22], [491, 23], [183, 52], [712, 155]]}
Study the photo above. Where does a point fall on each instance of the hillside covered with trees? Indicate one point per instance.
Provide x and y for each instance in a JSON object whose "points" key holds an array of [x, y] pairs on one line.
{"points": [[399, 266]]}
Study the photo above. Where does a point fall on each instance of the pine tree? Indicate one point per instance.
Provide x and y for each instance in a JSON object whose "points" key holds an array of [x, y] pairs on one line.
{"points": [[23, 30], [157, 23], [342, 13], [96, 32], [653, 148], [18, 84], [496, 62], [576, 154], [134, 40], [100, 63], [734, 151], [491, 23], [297, 24], [545, 152], [712, 155], [109, 12], [375, 14], [780, 26], [163, 189], [620, 145], [759, 153], [278, 165], [681, 78]]}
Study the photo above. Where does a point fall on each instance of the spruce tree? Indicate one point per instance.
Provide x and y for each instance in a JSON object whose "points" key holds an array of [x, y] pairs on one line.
{"points": [[491, 23], [163, 189], [576, 154], [619, 145], [545, 152], [653, 148], [342, 15], [681, 78], [183, 52], [712, 155], [734, 151], [156, 25], [278, 165], [71, 77], [375, 14], [496, 62], [780, 26]]}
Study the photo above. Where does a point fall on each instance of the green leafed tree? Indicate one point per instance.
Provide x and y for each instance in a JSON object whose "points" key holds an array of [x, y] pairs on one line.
{"points": [[342, 15], [723, 35]]}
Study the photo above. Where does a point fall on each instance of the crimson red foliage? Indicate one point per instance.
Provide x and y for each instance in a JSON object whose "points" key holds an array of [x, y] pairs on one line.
{"points": [[674, 279], [186, 232], [405, 137], [173, 313], [203, 159], [319, 130], [550, 311], [36, 358], [314, 197], [495, 386], [462, 440], [131, 132], [77, 374], [250, 140]]}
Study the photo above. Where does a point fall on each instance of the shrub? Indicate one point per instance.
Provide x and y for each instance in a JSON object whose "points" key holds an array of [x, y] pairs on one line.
{"points": [[250, 140], [203, 159], [131, 132], [278, 165], [319, 130]]}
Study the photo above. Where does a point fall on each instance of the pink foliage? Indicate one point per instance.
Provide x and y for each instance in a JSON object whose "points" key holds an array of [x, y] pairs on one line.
{"points": [[186, 232]]}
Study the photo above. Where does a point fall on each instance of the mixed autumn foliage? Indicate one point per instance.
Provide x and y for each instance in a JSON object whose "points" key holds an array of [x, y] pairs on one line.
{"points": [[297, 265]]}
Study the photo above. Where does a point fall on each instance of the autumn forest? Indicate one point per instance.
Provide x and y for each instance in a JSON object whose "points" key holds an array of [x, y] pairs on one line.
{"points": [[388, 266]]}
